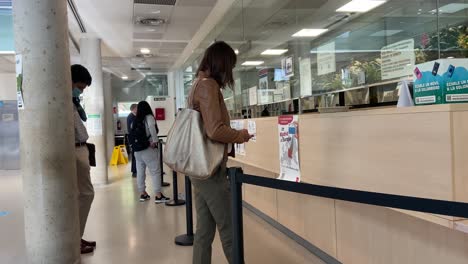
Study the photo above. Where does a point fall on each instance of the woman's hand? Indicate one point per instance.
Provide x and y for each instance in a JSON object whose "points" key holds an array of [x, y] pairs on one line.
{"points": [[245, 135], [154, 145]]}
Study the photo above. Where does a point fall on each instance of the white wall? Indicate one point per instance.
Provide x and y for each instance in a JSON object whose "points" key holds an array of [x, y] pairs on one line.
{"points": [[7, 86]]}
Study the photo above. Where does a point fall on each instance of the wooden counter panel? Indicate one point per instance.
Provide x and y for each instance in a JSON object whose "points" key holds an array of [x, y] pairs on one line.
{"points": [[408, 154], [370, 234], [460, 155], [265, 152]]}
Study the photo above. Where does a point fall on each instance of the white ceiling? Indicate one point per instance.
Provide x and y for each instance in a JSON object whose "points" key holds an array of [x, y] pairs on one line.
{"points": [[115, 23]]}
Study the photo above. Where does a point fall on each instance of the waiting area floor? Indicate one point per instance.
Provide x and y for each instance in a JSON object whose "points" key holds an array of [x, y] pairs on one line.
{"points": [[128, 231]]}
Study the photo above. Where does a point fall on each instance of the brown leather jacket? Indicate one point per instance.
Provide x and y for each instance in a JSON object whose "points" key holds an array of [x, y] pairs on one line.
{"points": [[206, 98]]}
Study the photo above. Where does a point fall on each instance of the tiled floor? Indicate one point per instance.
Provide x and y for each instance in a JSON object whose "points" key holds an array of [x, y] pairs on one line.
{"points": [[128, 231]]}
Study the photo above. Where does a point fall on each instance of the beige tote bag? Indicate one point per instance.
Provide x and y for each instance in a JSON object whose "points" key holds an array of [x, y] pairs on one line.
{"points": [[188, 148]]}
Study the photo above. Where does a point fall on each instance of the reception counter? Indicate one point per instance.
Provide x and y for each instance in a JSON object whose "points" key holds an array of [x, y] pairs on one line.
{"points": [[418, 151]]}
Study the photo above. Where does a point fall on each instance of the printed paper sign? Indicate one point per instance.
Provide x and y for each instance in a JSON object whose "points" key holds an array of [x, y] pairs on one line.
{"points": [[306, 76], [326, 59], [288, 128], [238, 125], [19, 81], [398, 59], [253, 96], [252, 128]]}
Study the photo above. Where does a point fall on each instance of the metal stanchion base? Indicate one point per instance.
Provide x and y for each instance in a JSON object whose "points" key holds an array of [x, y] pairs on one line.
{"points": [[184, 240], [175, 202], [166, 184]]}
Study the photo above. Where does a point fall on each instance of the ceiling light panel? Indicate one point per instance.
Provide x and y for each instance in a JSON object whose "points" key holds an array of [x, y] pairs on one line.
{"points": [[274, 52], [252, 63], [145, 51], [310, 32], [360, 6]]}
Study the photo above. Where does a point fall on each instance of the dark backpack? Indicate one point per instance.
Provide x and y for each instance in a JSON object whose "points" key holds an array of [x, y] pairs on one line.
{"points": [[137, 136]]}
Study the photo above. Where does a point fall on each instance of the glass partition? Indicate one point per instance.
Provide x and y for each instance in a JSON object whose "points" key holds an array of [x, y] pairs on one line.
{"points": [[300, 55]]}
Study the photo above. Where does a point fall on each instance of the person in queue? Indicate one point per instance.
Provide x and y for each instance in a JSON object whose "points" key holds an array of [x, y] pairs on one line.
{"points": [[144, 140], [80, 80], [130, 118], [212, 198]]}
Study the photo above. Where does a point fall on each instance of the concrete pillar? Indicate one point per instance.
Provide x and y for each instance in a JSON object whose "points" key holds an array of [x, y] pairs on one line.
{"points": [[109, 115], [90, 49], [48, 164]]}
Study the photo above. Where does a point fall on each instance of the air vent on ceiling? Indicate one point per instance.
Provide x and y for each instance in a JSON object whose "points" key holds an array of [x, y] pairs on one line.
{"points": [[150, 21], [141, 69], [149, 55], [156, 2]]}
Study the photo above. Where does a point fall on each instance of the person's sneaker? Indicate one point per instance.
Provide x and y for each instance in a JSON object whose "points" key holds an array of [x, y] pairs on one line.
{"points": [[162, 199], [144, 197]]}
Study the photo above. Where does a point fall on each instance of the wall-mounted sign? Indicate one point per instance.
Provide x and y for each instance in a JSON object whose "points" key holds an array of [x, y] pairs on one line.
{"points": [[306, 76]]}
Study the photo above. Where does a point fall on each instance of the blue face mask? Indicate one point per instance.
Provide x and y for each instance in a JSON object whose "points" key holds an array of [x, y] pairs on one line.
{"points": [[77, 92]]}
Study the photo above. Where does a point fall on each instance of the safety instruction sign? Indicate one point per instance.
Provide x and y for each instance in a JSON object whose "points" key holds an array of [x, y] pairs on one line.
{"points": [[288, 131], [119, 156], [238, 125]]}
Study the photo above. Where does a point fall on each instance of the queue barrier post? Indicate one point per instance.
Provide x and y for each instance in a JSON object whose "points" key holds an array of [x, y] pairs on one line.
{"points": [[187, 239], [160, 146], [235, 176], [175, 192]]}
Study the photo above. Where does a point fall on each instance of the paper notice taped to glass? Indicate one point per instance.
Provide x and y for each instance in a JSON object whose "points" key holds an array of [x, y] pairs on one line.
{"points": [[94, 124], [19, 81]]}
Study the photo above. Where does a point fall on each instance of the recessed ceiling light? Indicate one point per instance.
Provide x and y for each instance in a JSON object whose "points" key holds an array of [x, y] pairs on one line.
{"points": [[274, 52], [124, 77], [360, 6], [252, 63], [310, 32], [450, 57], [451, 8], [156, 12], [386, 33], [236, 51], [145, 51]]}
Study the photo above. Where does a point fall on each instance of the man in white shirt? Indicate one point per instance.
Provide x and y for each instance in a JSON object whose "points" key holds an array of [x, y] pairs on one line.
{"points": [[80, 80]]}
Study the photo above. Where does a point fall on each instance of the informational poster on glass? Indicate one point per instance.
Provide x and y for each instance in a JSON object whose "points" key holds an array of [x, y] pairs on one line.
{"points": [[252, 128], [306, 76], [326, 59], [253, 96], [19, 80], [398, 59], [237, 87], [238, 125], [441, 81], [265, 96], [287, 64], [288, 132]]}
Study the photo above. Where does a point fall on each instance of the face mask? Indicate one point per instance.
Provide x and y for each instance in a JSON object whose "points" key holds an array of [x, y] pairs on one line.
{"points": [[77, 92]]}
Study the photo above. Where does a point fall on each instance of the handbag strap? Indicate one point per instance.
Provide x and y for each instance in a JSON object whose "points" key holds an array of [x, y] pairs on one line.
{"points": [[192, 92]]}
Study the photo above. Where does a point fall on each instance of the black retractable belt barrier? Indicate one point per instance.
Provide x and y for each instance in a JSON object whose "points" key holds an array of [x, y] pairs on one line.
{"points": [[175, 192], [187, 239], [440, 207], [163, 183]]}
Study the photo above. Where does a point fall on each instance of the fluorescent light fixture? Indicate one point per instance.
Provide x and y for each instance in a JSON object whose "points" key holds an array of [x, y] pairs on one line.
{"points": [[124, 77], [310, 32], [145, 51], [360, 6], [252, 63], [236, 51], [274, 52], [451, 8], [386, 33]]}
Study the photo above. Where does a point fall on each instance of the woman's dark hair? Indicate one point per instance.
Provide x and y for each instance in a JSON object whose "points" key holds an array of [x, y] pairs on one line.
{"points": [[143, 110], [218, 62], [80, 74]]}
